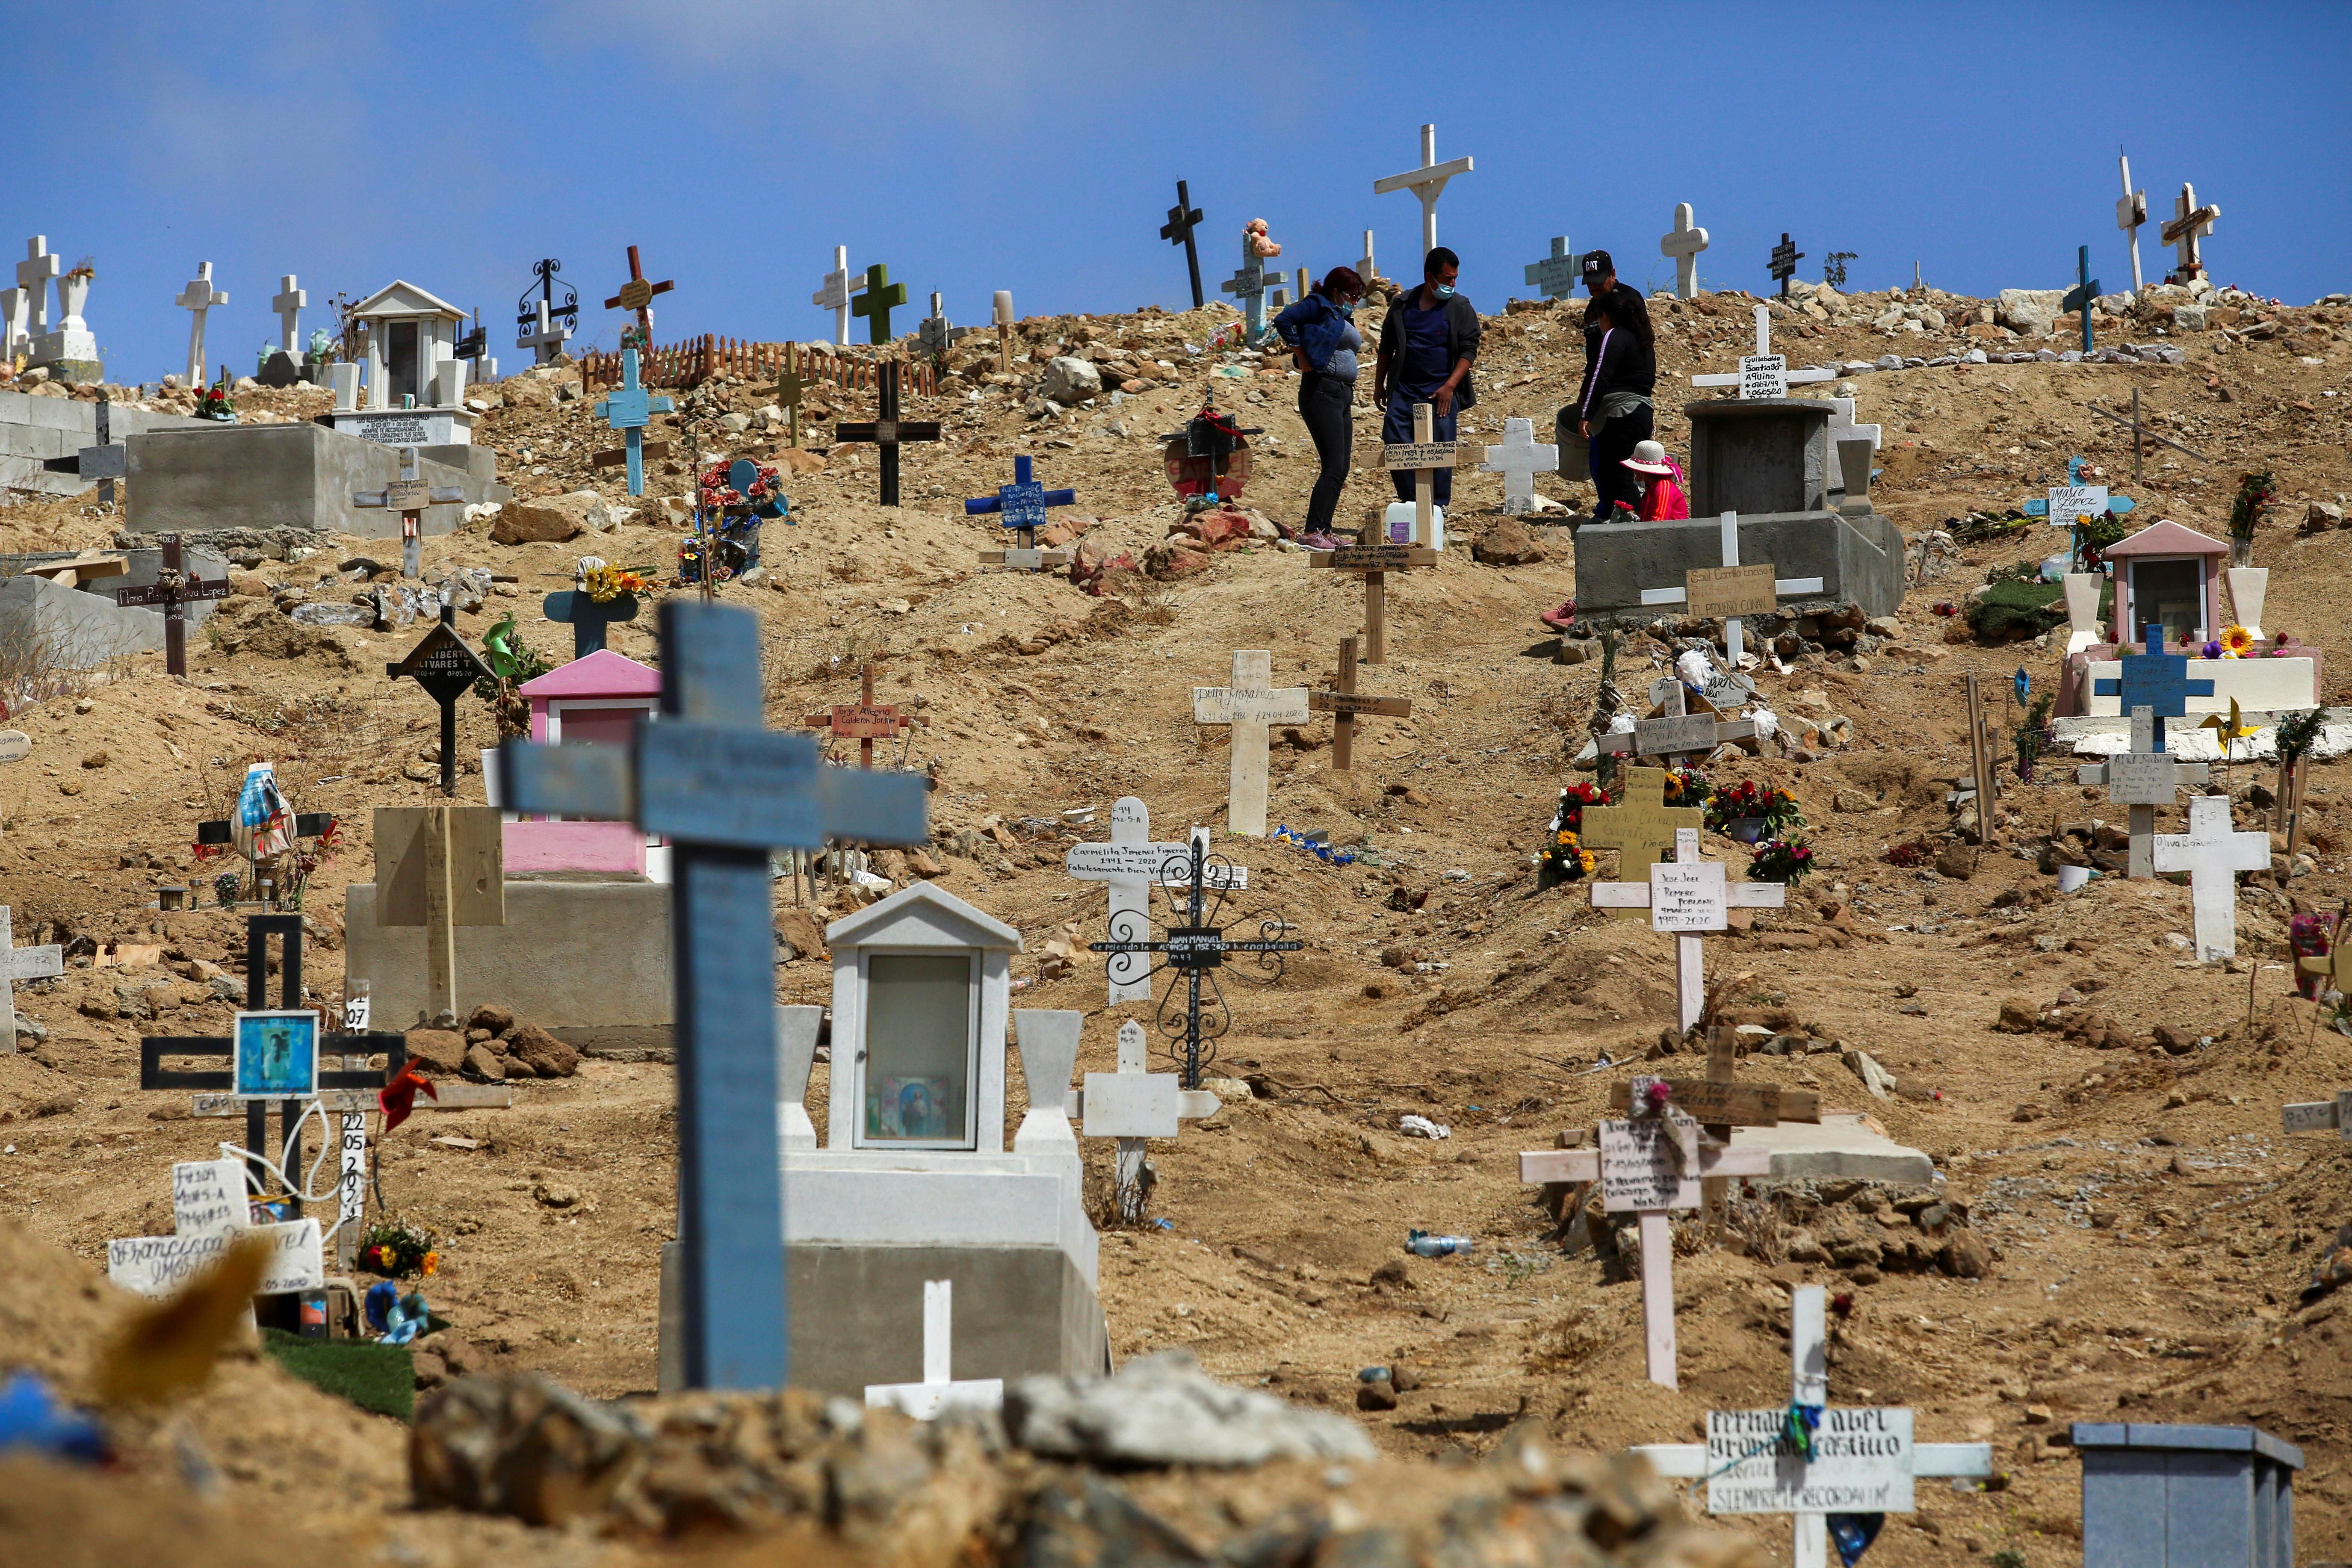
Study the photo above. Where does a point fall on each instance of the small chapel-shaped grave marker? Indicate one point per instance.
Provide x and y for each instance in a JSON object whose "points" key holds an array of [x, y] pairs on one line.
{"points": [[1249, 705]]}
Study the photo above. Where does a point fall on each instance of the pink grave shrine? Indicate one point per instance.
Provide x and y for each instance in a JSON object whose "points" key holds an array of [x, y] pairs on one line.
{"points": [[591, 701]]}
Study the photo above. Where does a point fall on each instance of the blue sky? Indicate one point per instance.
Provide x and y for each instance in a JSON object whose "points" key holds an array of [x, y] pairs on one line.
{"points": [[1034, 145]]}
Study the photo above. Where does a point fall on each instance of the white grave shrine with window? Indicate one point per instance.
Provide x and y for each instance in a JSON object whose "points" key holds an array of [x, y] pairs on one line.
{"points": [[912, 1183], [415, 386]]}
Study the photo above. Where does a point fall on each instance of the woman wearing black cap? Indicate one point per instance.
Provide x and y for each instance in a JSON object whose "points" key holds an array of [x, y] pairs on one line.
{"points": [[1620, 370]]}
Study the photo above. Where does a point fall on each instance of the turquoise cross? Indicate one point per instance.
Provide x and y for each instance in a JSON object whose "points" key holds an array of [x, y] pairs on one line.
{"points": [[629, 409], [875, 303]]}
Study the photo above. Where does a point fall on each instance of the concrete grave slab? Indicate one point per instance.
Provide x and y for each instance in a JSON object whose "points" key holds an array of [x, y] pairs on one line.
{"points": [[281, 476], [1844, 1143]]}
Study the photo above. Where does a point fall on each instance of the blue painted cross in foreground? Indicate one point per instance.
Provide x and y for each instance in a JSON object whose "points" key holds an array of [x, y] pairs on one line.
{"points": [[628, 409], [2155, 681], [725, 791], [1249, 287], [1022, 503]]}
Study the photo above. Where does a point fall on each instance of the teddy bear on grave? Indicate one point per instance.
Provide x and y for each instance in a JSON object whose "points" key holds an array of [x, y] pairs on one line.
{"points": [[1256, 240]]}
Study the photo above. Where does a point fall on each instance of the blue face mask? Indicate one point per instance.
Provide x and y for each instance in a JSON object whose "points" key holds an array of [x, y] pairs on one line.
{"points": [[1349, 312], [1443, 290]]}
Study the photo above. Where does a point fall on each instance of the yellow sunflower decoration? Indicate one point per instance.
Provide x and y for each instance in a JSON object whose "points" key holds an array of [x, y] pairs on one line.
{"points": [[2237, 642]]}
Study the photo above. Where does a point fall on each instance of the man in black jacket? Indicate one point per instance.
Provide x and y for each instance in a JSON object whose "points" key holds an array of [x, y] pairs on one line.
{"points": [[1427, 344], [1612, 410]]}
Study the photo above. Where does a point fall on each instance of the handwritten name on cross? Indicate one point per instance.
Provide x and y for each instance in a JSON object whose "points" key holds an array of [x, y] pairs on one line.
{"points": [[171, 589], [409, 496], [629, 408], [1642, 827], [1344, 704], [1373, 563], [726, 792], [1182, 219], [1649, 1164], [2213, 855], [1555, 276], [44, 962], [875, 302], [1763, 374], [888, 430], [2189, 224], [1249, 286], [1428, 183], [1249, 705], [198, 298], [1682, 243], [637, 294], [2131, 211], [865, 720], [1785, 256], [2141, 780], [1809, 1389], [1674, 732], [1422, 457], [1733, 591], [1130, 864], [1687, 898], [1021, 506], [2153, 679]]}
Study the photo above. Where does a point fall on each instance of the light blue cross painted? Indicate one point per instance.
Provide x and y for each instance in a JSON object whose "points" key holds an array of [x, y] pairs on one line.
{"points": [[629, 409], [2040, 505], [725, 790], [1022, 502], [1555, 277], [2155, 681], [1250, 287]]}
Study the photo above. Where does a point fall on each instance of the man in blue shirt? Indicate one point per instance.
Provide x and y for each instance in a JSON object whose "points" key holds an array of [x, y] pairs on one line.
{"points": [[1427, 345]]}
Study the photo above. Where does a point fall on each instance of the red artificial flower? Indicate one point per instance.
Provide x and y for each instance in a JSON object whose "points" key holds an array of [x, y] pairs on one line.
{"points": [[397, 1100]]}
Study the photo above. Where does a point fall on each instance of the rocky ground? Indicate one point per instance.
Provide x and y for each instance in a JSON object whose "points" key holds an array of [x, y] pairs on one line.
{"points": [[2143, 1233]]}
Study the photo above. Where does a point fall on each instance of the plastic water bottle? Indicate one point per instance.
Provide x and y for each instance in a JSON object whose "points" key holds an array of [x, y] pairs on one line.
{"points": [[1421, 1244]]}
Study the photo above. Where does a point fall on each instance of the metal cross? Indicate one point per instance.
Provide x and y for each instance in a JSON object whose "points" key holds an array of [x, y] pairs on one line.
{"points": [[566, 309], [888, 430], [447, 668], [875, 303], [171, 588], [628, 408], [1785, 256], [1183, 218], [2086, 290], [1197, 948], [409, 496], [637, 294], [726, 792]]}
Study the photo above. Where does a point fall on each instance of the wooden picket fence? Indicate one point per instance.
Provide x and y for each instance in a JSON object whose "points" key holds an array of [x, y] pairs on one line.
{"points": [[697, 360]]}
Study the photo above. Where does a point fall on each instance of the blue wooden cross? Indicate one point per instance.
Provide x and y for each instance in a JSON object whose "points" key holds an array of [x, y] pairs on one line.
{"points": [[2155, 681], [2086, 290], [587, 619], [875, 302], [726, 790], [628, 409], [1022, 503], [1249, 286]]}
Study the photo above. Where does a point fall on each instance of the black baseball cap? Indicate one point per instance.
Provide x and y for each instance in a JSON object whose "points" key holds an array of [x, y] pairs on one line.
{"points": [[1598, 265]]}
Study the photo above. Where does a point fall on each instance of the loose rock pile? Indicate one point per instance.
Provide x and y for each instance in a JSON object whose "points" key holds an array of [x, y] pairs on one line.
{"points": [[495, 1045]]}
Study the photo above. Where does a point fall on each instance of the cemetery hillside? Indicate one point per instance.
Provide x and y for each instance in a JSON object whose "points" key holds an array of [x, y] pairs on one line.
{"points": [[1638, 985]]}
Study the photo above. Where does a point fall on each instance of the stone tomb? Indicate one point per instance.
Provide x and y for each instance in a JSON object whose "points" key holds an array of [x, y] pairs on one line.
{"points": [[1767, 460], [200, 477], [416, 388], [78, 621], [913, 1183]]}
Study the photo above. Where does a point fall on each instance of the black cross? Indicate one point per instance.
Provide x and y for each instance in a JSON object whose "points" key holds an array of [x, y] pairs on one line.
{"points": [[173, 588], [1785, 257], [447, 668], [474, 344], [567, 311], [1194, 949], [1177, 230], [588, 618], [888, 431], [153, 1048], [105, 462]]}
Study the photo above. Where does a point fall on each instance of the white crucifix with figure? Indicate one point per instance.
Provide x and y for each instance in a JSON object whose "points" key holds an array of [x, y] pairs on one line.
{"points": [[2213, 855], [1763, 374], [1519, 459], [1250, 705], [1689, 896], [1863, 1459]]}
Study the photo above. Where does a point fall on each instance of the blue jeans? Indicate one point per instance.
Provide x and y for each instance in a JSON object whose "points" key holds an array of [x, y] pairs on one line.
{"points": [[1396, 427]]}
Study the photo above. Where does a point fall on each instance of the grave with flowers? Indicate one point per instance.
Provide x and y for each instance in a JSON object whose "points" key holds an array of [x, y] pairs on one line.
{"points": [[732, 500]]}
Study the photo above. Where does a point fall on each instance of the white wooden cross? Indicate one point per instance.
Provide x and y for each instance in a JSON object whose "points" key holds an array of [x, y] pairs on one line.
{"points": [[1133, 1104], [547, 340], [21, 963], [1763, 374], [1687, 898], [1249, 705], [2189, 223], [1781, 587], [2318, 1115], [938, 1390], [288, 306], [1428, 183], [1808, 1386], [1683, 243], [33, 275], [1650, 1165], [13, 340], [1364, 268], [1519, 459], [2213, 856], [2142, 779], [1555, 276], [2131, 211], [1131, 864], [199, 297], [835, 295]]}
